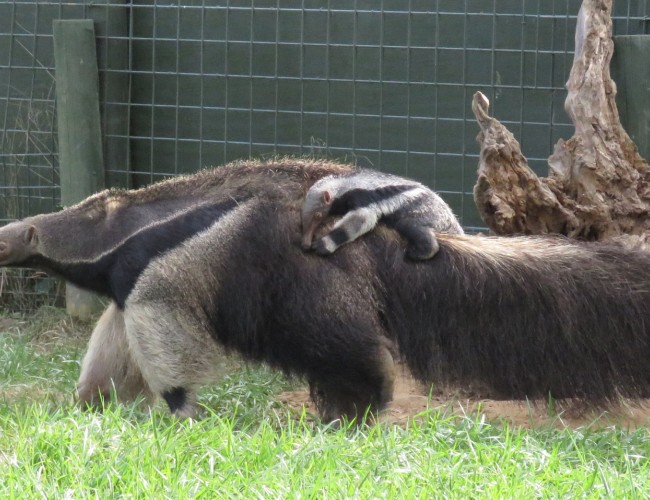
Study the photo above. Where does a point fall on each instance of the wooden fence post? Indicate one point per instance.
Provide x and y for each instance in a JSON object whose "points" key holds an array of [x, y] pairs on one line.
{"points": [[79, 130]]}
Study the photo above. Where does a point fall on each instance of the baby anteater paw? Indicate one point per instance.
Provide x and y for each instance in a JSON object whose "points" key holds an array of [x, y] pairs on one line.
{"points": [[323, 246]]}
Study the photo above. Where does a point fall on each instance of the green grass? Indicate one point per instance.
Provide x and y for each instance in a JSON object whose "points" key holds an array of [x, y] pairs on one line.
{"points": [[247, 445]]}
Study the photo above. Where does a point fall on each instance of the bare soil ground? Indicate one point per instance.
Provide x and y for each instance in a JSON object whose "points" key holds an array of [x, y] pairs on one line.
{"points": [[411, 399]]}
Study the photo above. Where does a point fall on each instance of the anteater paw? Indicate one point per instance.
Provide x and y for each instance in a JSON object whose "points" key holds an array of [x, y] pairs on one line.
{"points": [[322, 247]]}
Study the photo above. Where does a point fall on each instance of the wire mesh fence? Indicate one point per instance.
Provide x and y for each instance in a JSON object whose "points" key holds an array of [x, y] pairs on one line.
{"points": [[383, 84]]}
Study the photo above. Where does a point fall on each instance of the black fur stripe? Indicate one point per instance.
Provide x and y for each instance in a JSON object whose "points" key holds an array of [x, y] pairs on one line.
{"points": [[116, 273], [361, 198], [339, 236], [175, 398]]}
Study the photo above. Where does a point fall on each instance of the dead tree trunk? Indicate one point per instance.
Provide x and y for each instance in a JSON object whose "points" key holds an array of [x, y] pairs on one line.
{"points": [[598, 185]]}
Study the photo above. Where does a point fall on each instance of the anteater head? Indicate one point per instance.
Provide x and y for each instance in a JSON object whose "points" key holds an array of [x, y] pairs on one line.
{"points": [[18, 242], [318, 203]]}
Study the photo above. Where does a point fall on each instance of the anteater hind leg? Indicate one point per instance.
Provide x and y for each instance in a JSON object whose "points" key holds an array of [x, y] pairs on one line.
{"points": [[108, 364], [368, 392], [421, 238]]}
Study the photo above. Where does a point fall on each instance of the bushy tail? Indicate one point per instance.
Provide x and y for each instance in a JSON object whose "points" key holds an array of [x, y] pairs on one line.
{"points": [[527, 316]]}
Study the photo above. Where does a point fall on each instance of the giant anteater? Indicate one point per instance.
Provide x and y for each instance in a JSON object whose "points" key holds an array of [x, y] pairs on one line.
{"points": [[214, 260]]}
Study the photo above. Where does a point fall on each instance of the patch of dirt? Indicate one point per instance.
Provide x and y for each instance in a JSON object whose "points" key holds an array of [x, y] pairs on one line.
{"points": [[411, 399]]}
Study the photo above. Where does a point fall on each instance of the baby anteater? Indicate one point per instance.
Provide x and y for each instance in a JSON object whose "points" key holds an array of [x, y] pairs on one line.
{"points": [[364, 198]]}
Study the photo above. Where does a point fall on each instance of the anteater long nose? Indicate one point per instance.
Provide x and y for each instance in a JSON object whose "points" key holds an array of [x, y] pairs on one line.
{"points": [[307, 237], [306, 242]]}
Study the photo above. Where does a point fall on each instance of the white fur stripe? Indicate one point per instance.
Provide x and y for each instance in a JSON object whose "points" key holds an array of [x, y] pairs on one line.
{"points": [[135, 233], [329, 244]]}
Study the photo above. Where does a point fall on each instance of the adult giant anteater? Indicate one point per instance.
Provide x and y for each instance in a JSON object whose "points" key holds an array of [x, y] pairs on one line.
{"points": [[214, 260]]}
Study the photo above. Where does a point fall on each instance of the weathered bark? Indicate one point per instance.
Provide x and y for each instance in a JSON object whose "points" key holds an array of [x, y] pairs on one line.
{"points": [[598, 184]]}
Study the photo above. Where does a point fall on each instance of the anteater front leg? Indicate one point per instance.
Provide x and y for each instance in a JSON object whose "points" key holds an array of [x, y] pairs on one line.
{"points": [[108, 364], [174, 351], [354, 224]]}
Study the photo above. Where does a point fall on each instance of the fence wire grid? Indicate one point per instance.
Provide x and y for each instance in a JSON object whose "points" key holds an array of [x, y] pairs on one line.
{"points": [[383, 84]]}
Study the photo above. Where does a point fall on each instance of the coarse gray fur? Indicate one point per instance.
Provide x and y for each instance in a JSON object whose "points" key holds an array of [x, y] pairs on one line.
{"points": [[366, 197]]}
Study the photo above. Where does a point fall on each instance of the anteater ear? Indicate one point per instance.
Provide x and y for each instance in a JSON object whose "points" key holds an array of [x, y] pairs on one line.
{"points": [[31, 236], [327, 197]]}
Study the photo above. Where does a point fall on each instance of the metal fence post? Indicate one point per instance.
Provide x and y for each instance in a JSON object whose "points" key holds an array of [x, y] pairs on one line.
{"points": [[79, 131]]}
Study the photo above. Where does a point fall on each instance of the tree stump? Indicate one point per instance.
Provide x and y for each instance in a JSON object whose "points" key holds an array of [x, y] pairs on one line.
{"points": [[598, 184]]}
